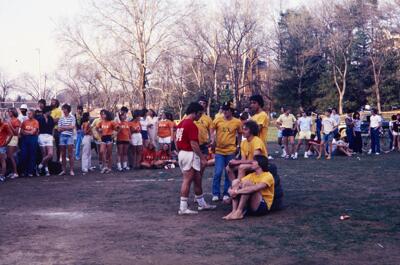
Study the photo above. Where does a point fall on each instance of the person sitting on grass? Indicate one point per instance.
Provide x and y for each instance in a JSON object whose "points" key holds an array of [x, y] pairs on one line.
{"points": [[340, 146], [252, 194], [163, 158], [249, 148], [148, 157], [314, 147]]}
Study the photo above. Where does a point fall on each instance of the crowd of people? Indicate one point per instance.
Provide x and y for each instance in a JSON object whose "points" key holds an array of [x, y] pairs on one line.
{"points": [[45, 140]]}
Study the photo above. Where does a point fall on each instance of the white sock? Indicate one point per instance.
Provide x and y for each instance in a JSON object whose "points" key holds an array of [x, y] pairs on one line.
{"points": [[200, 200], [125, 164], [119, 165], [184, 203]]}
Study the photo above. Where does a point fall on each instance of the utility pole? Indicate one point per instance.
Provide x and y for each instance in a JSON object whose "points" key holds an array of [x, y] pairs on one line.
{"points": [[40, 70]]}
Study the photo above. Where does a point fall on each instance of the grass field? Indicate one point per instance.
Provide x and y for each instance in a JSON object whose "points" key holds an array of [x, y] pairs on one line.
{"points": [[131, 218]]}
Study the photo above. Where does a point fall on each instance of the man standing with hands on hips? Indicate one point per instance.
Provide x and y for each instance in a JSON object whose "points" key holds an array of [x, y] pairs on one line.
{"points": [[191, 160]]}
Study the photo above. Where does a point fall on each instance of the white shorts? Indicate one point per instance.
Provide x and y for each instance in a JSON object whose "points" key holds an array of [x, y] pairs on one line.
{"points": [[188, 160], [136, 139], [395, 133], [13, 142], [45, 140], [304, 135], [164, 140]]}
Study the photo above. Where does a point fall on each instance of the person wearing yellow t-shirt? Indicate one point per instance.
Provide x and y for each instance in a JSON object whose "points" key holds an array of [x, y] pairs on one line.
{"points": [[287, 122], [249, 148], [260, 116], [254, 193], [227, 134], [56, 114], [204, 124]]}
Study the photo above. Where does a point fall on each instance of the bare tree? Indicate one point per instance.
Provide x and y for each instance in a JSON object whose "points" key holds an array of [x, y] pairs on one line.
{"points": [[30, 86], [6, 85]]}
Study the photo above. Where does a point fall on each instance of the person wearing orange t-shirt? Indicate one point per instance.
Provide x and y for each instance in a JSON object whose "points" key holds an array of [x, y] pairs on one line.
{"points": [[29, 141], [5, 137], [12, 147], [136, 139], [106, 128], [165, 130], [164, 157], [148, 157], [123, 140]]}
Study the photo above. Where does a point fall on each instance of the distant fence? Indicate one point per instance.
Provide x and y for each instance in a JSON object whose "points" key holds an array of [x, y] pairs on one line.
{"points": [[16, 104]]}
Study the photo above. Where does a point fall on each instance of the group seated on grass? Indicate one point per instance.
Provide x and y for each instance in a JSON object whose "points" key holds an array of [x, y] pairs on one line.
{"points": [[257, 189], [153, 159], [338, 146]]}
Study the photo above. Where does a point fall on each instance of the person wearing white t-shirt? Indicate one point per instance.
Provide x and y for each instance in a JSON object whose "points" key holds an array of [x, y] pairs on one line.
{"points": [[336, 118], [304, 124], [375, 125], [328, 127]]}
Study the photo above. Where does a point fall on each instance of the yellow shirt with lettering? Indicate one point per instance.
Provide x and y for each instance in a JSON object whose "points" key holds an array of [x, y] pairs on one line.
{"points": [[247, 148], [262, 119], [56, 114], [226, 132], [267, 178], [204, 125]]}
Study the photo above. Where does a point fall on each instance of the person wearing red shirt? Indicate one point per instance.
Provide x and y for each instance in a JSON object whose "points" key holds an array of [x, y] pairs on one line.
{"points": [[148, 156], [5, 137], [12, 147], [191, 159]]}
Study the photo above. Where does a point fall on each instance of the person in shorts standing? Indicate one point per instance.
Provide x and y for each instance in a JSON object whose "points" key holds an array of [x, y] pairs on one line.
{"points": [[46, 127], [29, 141], [287, 122], [6, 135], [136, 139], [336, 118], [191, 159], [304, 125], [165, 130], [106, 128], [66, 126], [328, 128], [15, 126]]}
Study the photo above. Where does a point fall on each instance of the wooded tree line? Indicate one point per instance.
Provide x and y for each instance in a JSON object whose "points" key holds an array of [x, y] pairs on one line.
{"points": [[343, 55], [160, 54]]}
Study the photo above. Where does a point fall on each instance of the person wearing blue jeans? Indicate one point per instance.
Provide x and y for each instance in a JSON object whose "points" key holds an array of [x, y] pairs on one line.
{"points": [[29, 144], [221, 162], [79, 132], [225, 139], [375, 124]]}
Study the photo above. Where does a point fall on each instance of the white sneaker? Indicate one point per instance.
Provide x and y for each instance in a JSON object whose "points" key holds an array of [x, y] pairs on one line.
{"points": [[226, 198], [283, 155], [206, 207], [103, 170], [377, 154], [40, 166], [127, 168], [370, 151], [295, 155], [47, 172], [305, 155], [309, 153], [120, 169], [186, 212], [215, 198], [270, 157]]}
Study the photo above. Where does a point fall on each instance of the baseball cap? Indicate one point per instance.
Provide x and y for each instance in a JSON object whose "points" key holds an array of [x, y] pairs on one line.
{"points": [[228, 106], [24, 106]]}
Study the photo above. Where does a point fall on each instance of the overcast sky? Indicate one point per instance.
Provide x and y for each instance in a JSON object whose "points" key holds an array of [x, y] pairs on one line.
{"points": [[27, 26]]}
